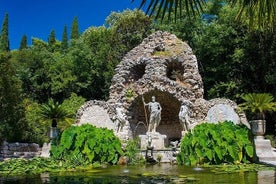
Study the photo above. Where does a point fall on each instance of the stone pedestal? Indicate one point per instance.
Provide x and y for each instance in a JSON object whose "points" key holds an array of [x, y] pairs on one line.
{"points": [[157, 140], [264, 151], [125, 134], [45, 152]]}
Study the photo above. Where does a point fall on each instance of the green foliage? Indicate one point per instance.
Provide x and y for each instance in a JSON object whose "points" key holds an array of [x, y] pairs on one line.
{"points": [[87, 144], [131, 151], [52, 38], [220, 169], [75, 29], [73, 103], [257, 14], [11, 110], [23, 43], [216, 144], [131, 26], [129, 94], [36, 165], [4, 35], [64, 41], [272, 139], [55, 113], [35, 128], [258, 104], [228, 89], [99, 61]]}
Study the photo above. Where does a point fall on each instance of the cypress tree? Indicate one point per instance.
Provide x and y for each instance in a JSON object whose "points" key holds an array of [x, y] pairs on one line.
{"points": [[75, 29], [12, 112], [52, 38], [4, 37], [23, 43], [64, 41]]}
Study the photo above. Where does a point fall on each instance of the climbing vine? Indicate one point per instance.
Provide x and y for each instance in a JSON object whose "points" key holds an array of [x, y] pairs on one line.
{"points": [[216, 144], [87, 144]]}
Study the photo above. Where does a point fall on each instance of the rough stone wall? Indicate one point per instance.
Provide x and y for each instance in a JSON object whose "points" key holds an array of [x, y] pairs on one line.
{"points": [[19, 150], [151, 66]]}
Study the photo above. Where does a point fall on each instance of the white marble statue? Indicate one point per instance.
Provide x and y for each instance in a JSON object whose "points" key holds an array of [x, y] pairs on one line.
{"points": [[155, 114], [184, 116], [120, 119]]}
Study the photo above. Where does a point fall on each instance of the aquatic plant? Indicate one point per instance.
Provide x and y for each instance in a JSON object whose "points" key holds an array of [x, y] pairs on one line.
{"points": [[216, 144], [87, 144]]}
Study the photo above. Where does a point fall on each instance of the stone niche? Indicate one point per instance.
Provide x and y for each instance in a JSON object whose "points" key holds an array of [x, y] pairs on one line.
{"points": [[96, 113], [165, 67]]}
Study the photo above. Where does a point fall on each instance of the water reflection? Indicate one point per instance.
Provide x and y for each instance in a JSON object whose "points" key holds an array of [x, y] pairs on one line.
{"points": [[266, 177], [163, 173]]}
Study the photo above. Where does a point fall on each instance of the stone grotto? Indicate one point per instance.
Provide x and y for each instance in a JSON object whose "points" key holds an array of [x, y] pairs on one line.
{"points": [[165, 67]]}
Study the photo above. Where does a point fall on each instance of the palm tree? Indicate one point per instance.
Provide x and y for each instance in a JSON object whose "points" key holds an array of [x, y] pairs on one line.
{"points": [[258, 103], [261, 11], [55, 113]]}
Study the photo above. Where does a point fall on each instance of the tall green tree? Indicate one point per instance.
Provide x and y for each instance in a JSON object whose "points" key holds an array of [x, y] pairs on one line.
{"points": [[4, 36], [23, 42], [75, 29], [64, 41], [131, 26], [11, 109], [52, 38]]}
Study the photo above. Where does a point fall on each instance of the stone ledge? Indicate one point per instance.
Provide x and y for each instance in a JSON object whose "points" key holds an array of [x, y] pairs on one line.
{"points": [[264, 151]]}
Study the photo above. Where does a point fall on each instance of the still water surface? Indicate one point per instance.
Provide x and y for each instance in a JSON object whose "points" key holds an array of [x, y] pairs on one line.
{"points": [[156, 174]]}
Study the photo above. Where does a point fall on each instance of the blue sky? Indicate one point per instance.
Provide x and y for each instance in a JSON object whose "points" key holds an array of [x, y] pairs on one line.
{"points": [[36, 18]]}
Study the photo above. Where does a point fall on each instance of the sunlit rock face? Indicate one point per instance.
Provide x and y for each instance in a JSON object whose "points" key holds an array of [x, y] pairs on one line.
{"points": [[165, 67]]}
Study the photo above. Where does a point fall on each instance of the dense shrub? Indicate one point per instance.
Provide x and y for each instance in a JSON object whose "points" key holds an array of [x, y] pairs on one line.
{"points": [[216, 144], [87, 144]]}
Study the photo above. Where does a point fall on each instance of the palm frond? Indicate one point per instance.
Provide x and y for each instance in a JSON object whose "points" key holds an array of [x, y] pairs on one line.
{"points": [[159, 8], [258, 103], [53, 111], [260, 13]]}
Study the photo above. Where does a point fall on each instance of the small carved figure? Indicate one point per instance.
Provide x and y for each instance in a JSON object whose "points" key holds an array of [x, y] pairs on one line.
{"points": [[184, 116], [149, 141], [120, 119], [155, 114]]}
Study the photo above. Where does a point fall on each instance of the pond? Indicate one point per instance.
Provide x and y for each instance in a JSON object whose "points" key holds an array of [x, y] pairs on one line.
{"points": [[143, 174]]}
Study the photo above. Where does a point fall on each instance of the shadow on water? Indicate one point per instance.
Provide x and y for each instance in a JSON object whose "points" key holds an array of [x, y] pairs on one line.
{"points": [[156, 174]]}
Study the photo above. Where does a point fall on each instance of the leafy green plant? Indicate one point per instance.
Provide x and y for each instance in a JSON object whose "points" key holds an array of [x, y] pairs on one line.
{"points": [[87, 144], [258, 104], [132, 152], [54, 112], [159, 158], [272, 139], [216, 144], [129, 94]]}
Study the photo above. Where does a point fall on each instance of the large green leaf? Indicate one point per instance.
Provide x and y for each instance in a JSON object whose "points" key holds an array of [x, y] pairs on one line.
{"points": [[209, 154], [249, 150]]}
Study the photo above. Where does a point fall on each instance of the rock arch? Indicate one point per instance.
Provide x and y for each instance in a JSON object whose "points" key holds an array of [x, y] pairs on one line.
{"points": [[169, 124]]}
